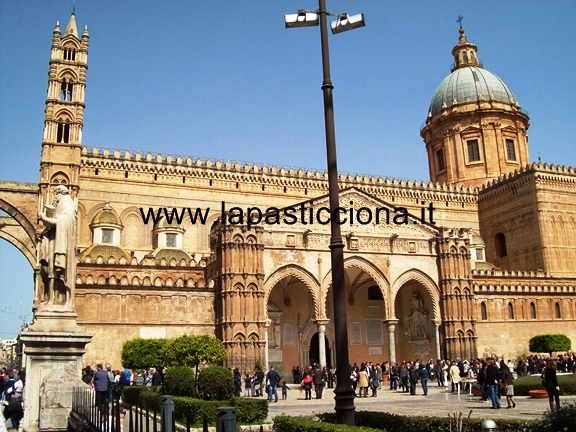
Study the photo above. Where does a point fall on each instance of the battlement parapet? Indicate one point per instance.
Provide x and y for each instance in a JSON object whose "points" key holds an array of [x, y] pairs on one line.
{"points": [[264, 173]]}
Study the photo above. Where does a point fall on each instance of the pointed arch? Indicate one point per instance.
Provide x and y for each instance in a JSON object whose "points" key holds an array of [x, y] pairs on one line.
{"points": [[297, 272], [368, 268], [426, 281]]}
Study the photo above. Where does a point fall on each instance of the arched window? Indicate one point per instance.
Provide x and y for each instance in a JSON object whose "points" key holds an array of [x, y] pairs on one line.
{"points": [[557, 310], [66, 90], [483, 312], [465, 57], [500, 245], [532, 310], [510, 311], [69, 54], [63, 133]]}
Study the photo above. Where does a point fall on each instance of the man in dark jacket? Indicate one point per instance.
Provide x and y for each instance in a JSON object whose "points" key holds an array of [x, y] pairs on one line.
{"points": [[156, 378], [319, 377], [101, 386], [493, 380], [413, 378], [272, 380]]}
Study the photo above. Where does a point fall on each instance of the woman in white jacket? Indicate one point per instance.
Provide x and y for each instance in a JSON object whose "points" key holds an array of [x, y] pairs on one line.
{"points": [[455, 377]]}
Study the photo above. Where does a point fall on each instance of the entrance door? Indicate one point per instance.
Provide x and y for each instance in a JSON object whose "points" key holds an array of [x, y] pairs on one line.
{"points": [[314, 353]]}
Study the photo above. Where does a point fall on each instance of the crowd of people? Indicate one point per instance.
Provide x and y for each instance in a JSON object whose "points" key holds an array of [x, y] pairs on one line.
{"points": [[494, 376], [12, 384]]}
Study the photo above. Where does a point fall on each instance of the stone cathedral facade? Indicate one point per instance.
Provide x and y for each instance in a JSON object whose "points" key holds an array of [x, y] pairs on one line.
{"points": [[473, 262]]}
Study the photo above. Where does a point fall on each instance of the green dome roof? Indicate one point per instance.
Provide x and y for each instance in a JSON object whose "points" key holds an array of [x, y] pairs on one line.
{"points": [[106, 216], [168, 254], [163, 224], [105, 251], [470, 85]]}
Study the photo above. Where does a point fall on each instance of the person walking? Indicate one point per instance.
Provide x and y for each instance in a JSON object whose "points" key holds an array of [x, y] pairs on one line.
{"points": [[306, 384], [493, 380], [363, 382], [550, 381], [423, 374], [101, 386], [319, 377], [438, 373], [508, 381], [272, 380], [15, 410]]}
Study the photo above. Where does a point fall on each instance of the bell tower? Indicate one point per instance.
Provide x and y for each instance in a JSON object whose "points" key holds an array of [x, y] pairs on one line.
{"points": [[64, 114]]}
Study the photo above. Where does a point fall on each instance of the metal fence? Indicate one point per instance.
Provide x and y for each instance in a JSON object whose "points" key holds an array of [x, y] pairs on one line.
{"points": [[93, 411]]}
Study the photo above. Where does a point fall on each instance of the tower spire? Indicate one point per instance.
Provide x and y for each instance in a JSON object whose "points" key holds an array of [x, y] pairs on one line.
{"points": [[71, 27]]}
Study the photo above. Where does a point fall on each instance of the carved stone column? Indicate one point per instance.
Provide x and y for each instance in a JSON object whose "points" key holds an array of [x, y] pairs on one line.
{"points": [[266, 361], [392, 340], [437, 324], [322, 341]]}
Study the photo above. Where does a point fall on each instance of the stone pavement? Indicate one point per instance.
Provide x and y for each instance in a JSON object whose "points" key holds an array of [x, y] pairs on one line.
{"points": [[438, 403]]}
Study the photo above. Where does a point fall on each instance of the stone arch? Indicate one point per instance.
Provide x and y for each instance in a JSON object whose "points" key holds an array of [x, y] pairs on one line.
{"points": [[426, 281], [19, 228], [64, 116], [299, 273], [68, 74], [59, 178], [368, 268], [136, 234], [306, 337]]}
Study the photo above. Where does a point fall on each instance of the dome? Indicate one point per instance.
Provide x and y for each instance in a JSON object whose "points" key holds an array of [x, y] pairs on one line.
{"points": [[106, 216], [169, 254], [164, 225], [470, 85], [104, 251]]}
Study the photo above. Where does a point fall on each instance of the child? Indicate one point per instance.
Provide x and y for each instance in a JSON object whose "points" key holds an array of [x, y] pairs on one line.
{"points": [[285, 389], [248, 386]]}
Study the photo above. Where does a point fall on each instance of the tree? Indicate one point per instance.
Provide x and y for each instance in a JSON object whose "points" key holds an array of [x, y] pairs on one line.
{"points": [[143, 353], [550, 343], [191, 350]]}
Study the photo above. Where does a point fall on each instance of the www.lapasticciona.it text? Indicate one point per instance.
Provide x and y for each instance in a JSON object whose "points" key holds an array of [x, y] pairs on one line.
{"points": [[304, 213]]}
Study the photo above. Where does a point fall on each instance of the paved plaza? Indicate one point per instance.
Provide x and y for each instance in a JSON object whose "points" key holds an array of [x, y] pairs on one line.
{"points": [[439, 402]]}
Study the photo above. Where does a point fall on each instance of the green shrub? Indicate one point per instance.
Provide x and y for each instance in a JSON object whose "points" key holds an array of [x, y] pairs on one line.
{"points": [[526, 383], [179, 381], [302, 424], [563, 419], [192, 411], [395, 422], [133, 394], [215, 383], [250, 411], [550, 343]]}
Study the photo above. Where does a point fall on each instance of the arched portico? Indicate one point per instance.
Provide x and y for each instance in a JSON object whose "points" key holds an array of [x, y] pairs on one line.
{"points": [[292, 308], [416, 319]]}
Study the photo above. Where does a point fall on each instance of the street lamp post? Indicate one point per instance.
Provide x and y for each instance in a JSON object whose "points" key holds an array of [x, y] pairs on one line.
{"points": [[344, 393]]}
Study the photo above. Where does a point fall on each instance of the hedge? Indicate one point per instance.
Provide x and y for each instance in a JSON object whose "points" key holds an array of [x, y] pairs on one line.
{"points": [[396, 422], [522, 385], [283, 423], [192, 411]]}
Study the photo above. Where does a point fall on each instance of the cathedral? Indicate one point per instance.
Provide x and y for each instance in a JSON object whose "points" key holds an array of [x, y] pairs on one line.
{"points": [[472, 262]]}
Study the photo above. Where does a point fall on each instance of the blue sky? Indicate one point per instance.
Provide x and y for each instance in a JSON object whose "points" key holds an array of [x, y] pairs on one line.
{"points": [[225, 79]]}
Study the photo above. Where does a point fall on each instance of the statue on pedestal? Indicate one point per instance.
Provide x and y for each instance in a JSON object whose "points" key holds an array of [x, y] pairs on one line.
{"points": [[57, 251]]}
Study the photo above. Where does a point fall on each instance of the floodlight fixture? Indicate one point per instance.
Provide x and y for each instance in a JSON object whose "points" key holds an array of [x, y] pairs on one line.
{"points": [[489, 425], [346, 22], [303, 18]]}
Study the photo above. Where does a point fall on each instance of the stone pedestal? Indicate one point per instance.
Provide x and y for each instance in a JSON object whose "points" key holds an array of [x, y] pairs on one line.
{"points": [[53, 368]]}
